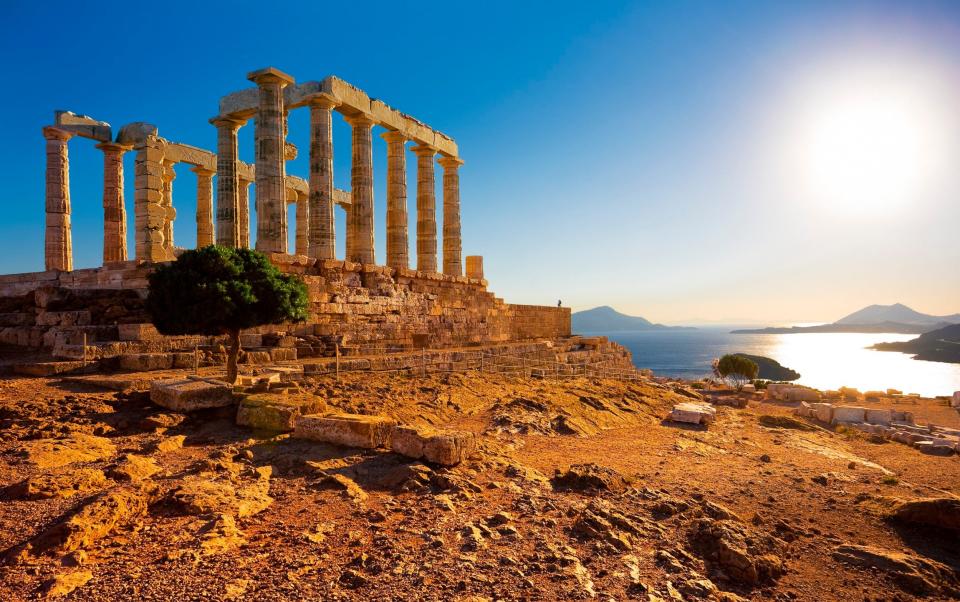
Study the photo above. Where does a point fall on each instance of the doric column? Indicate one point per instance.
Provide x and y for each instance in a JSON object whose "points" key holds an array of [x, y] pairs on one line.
{"points": [[269, 136], [204, 206], [475, 267], [398, 244], [303, 224], [168, 176], [150, 216], [452, 245], [360, 217], [58, 249], [114, 212], [322, 233], [228, 188], [243, 213], [426, 209]]}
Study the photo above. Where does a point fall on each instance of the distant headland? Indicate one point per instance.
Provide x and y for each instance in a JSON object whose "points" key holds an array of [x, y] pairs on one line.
{"points": [[896, 318], [607, 319]]}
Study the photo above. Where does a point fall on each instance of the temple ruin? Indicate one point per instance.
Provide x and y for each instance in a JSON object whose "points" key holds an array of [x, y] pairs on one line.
{"points": [[356, 306]]}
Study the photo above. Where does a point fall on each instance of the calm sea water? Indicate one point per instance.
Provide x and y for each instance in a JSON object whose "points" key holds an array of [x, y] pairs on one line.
{"points": [[824, 360]]}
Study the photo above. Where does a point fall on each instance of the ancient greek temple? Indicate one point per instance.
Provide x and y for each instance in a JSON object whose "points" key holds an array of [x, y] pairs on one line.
{"points": [[224, 218]]}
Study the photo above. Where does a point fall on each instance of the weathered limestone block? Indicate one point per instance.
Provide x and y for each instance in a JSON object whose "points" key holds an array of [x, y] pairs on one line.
{"points": [[440, 447], [877, 416], [185, 395], [799, 394], [693, 413], [822, 411], [849, 414], [141, 362], [352, 430], [955, 400], [137, 332], [276, 412]]}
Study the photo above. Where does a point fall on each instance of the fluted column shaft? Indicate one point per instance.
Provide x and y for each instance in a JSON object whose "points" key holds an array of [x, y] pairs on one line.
{"points": [[452, 245], [243, 213], [228, 184], [426, 209], [168, 176], [303, 224], [360, 217], [322, 232], [114, 211], [398, 243], [58, 247], [270, 160], [204, 206]]}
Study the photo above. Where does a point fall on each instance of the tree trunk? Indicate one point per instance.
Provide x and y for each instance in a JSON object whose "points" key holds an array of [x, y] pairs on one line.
{"points": [[233, 355]]}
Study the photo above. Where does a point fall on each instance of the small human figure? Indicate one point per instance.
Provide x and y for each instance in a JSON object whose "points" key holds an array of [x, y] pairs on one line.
{"points": [[558, 302]]}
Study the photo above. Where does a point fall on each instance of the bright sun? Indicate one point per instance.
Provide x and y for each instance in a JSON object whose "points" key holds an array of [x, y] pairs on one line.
{"points": [[869, 140]]}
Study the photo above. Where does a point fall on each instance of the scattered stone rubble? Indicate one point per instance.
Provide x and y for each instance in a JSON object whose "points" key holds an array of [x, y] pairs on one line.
{"points": [[693, 413]]}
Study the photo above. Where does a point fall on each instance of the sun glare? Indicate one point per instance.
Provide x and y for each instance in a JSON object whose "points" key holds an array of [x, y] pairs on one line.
{"points": [[868, 139]]}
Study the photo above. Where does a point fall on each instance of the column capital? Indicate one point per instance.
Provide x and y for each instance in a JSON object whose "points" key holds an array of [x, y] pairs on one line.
{"points": [[322, 100], [52, 133], [203, 171], [168, 174], [114, 147], [423, 150], [270, 75], [360, 120], [394, 136], [449, 162], [229, 121]]}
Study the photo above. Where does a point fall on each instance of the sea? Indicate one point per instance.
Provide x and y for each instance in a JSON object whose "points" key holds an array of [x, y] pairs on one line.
{"points": [[824, 360]]}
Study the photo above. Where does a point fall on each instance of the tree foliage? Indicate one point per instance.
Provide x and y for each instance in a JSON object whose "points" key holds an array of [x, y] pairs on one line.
{"points": [[218, 290], [736, 369]]}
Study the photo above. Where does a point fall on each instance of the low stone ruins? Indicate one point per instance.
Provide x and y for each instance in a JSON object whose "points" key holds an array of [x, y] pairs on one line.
{"points": [[356, 306]]}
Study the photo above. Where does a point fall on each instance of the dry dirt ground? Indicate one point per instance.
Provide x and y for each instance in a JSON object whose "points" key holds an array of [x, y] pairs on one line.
{"points": [[106, 497]]}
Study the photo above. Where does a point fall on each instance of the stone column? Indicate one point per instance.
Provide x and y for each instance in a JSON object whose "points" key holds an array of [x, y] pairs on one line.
{"points": [[228, 187], [150, 216], [243, 213], [269, 135], [360, 217], [303, 224], [452, 264], [58, 248], [114, 212], [322, 232], [204, 206], [168, 176], [475, 267], [398, 244], [426, 209]]}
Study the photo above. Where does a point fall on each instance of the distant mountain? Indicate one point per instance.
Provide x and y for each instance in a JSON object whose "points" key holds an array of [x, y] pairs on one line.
{"points": [[607, 319], [899, 313], [876, 318], [941, 345]]}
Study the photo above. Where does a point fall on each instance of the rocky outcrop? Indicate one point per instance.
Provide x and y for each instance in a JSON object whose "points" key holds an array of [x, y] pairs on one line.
{"points": [[942, 513], [914, 573], [590, 477]]}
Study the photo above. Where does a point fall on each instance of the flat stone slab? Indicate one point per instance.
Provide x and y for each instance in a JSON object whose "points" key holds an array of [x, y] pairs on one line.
{"points": [[693, 413], [351, 430], [447, 448], [277, 412], [849, 414], [185, 395]]}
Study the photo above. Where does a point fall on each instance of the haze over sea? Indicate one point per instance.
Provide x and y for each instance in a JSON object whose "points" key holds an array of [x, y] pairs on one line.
{"points": [[824, 360]]}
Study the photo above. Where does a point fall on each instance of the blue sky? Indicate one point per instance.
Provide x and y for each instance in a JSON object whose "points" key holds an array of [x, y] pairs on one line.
{"points": [[616, 153]]}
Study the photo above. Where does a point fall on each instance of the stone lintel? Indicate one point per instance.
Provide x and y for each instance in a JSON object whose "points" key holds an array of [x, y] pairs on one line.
{"points": [[82, 125], [270, 75], [343, 198], [136, 133]]}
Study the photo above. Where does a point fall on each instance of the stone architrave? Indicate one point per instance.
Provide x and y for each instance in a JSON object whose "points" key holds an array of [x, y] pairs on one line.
{"points": [[303, 224], [360, 236], [58, 248], [228, 183], [243, 212], [150, 215], [204, 206], [398, 243], [114, 211], [169, 175], [321, 233], [426, 209], [452, 245], [270, 160]]}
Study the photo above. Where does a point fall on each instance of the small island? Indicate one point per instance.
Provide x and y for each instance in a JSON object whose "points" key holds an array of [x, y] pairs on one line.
{"points": [[941, 345]]}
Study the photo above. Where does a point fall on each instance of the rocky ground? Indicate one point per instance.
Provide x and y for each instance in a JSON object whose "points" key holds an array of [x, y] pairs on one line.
{"points": [[580, 490]]}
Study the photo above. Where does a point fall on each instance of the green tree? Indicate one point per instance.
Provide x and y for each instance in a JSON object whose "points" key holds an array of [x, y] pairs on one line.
{"points": [[736, 369], [219, 290]]}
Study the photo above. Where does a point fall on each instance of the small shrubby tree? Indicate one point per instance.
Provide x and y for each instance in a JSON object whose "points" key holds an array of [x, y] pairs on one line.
{"points": [[220, 290], [736, 370]]}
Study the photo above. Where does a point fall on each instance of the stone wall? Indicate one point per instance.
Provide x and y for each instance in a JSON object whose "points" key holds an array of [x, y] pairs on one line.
{"points": [[361, 308]]}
